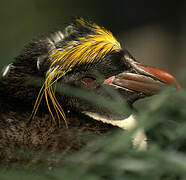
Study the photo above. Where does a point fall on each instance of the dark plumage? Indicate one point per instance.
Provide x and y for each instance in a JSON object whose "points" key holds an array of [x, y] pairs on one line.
{"points": [[83, 56]]}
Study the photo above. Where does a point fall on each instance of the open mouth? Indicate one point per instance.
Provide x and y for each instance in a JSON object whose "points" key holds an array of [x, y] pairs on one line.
{"points": [[146, 79]]}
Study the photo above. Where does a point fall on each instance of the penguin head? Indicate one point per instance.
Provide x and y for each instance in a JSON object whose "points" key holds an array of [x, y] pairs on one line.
{"points": [[89, 58]]}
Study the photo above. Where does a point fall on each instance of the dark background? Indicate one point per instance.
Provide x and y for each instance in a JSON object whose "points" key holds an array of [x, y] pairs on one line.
{"points": [[153, 31]]}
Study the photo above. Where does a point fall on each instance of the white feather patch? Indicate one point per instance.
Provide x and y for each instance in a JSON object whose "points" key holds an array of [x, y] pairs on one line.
{"points": [[139, 139], [6, 70]]}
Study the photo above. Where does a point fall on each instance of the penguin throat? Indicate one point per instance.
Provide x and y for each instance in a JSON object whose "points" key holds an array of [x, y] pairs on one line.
{"points": [[126, 124]]}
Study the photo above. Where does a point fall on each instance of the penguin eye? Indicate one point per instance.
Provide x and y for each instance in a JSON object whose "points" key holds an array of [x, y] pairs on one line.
{"points": [[88, 79]]}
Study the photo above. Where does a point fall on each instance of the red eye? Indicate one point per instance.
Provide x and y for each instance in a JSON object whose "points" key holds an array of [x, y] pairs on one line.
{"points": [[88, 79]]}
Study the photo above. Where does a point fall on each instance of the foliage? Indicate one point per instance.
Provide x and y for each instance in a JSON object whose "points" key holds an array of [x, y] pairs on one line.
{"points": [[114, 157]]}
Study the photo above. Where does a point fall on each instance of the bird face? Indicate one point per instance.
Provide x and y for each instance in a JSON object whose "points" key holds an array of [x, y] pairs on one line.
{"points": [[120, 72], [84, 57]]}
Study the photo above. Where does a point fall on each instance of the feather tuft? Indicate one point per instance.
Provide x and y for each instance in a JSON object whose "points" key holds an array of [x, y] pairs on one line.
{"points": [[88, 47]]}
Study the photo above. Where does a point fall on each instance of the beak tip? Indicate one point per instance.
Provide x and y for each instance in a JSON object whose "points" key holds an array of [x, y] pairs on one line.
{"points": [[162, 75]]}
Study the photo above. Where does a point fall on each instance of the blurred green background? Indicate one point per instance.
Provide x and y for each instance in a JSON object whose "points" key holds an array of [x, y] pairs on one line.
{"points": [[153, 31]]}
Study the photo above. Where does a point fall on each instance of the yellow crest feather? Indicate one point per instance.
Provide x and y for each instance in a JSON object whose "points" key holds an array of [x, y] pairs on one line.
{"points": [[84, 49]]}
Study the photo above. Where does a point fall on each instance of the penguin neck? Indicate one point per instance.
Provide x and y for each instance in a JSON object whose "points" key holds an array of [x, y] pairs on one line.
{"points": [[126, 124]]}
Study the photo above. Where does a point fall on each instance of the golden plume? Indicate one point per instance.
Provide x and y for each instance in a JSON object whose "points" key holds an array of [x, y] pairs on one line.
{"points": [[89, 48]]}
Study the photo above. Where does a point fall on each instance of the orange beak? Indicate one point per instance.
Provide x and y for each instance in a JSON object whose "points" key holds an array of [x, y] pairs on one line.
{"points": [[146, 79]]}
